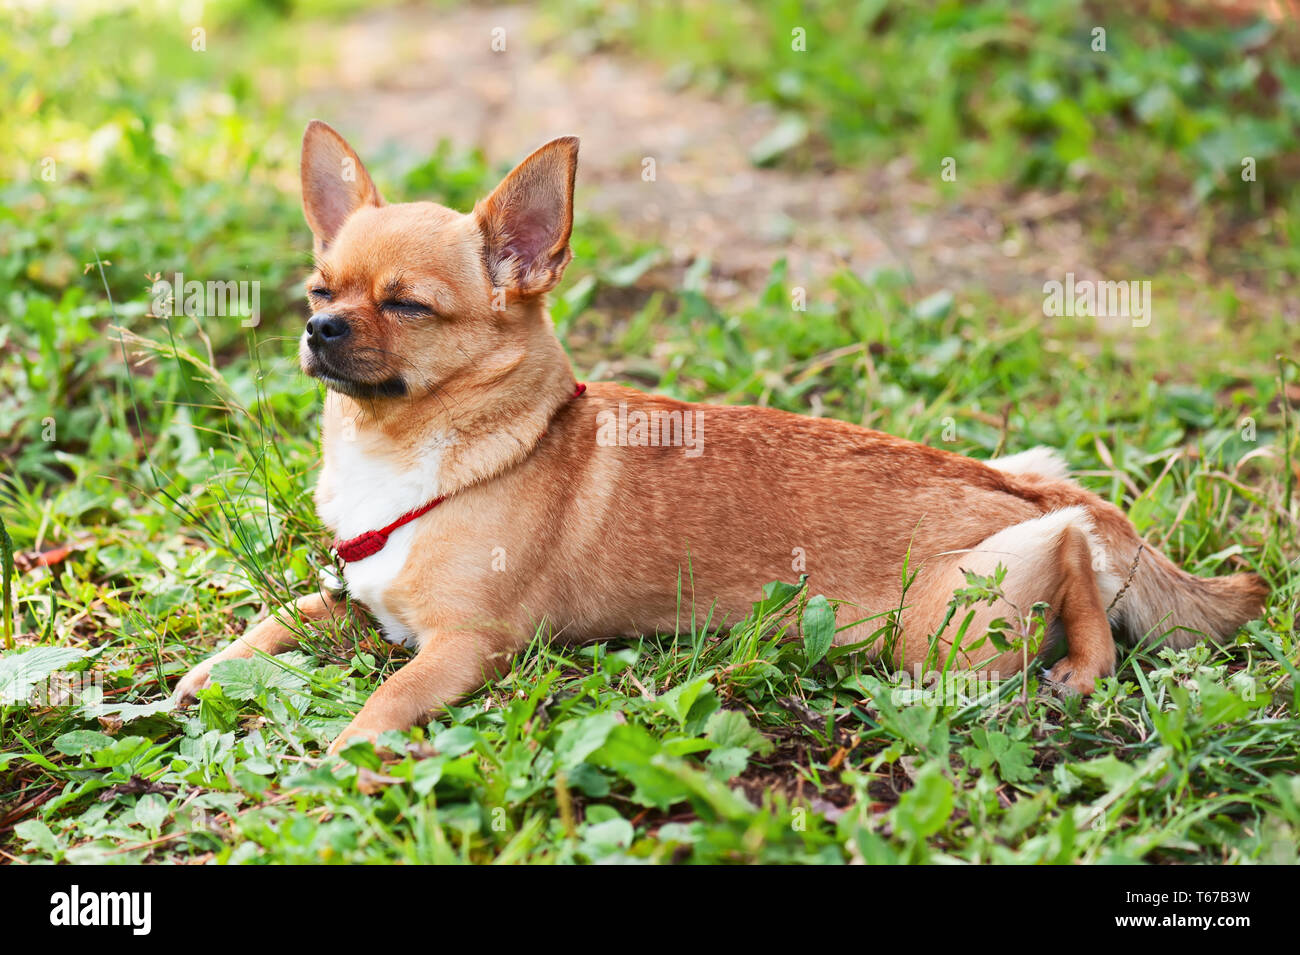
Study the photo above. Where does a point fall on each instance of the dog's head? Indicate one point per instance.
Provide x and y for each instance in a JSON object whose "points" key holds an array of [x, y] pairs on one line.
{"points": [[406, 297]]}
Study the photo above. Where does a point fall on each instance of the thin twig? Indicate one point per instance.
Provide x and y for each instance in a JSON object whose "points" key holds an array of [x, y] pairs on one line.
{"points": [[1132, 572]]}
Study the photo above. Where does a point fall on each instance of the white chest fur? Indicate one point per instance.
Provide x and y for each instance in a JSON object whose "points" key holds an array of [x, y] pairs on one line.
{"points": [[365, 486]]}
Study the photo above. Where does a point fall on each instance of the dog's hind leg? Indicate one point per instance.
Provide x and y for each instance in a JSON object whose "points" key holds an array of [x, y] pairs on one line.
{"points": [[1054, 559], [276, 634], [1090, 645]]}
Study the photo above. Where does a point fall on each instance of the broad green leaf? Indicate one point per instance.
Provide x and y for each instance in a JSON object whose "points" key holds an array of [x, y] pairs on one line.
{"points": [[581, 738], [678, 701], [818, 629], [21, 671], [728, 762], [1012, 757], [457, 740], [254, 678], [925, 808], [605, 837], [37, 835], [151, 811], [126, 712], [81, 741], [732, 728]]}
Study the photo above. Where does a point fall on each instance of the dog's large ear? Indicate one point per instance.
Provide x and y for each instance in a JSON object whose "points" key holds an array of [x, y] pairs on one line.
{"points": [[334, 182], [527, 220]]}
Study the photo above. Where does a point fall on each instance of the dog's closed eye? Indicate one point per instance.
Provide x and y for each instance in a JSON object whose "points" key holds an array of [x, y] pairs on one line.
{"points": [[405, 306]]}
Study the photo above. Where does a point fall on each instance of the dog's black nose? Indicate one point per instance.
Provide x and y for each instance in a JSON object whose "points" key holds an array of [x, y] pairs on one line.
{"points": [[326, 329]]}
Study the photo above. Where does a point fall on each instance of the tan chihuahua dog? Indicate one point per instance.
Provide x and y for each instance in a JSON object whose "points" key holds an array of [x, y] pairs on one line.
{"points": [[477, 492]]}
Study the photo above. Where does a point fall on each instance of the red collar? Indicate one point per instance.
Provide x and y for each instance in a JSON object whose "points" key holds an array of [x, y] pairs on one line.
{"points": [[372, 542]]}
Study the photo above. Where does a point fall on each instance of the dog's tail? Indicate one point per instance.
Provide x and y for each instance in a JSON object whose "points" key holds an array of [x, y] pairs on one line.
{"points": [[1157, 601], [1149, 598]]}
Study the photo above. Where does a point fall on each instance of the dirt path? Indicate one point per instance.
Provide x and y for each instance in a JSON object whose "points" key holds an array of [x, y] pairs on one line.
{"points": [[412, 77]]}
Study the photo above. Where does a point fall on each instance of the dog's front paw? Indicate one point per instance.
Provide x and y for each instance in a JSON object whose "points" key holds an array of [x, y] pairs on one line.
{"points": [[355, 731], [199, 678]]}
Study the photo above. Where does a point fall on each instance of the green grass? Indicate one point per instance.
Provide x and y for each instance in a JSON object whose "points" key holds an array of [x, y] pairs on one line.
{"points": [[1019, 93], [179, 480]]}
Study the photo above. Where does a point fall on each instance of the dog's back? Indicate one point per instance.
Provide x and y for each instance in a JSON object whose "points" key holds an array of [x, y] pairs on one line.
{"points": [[773, 495]]}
